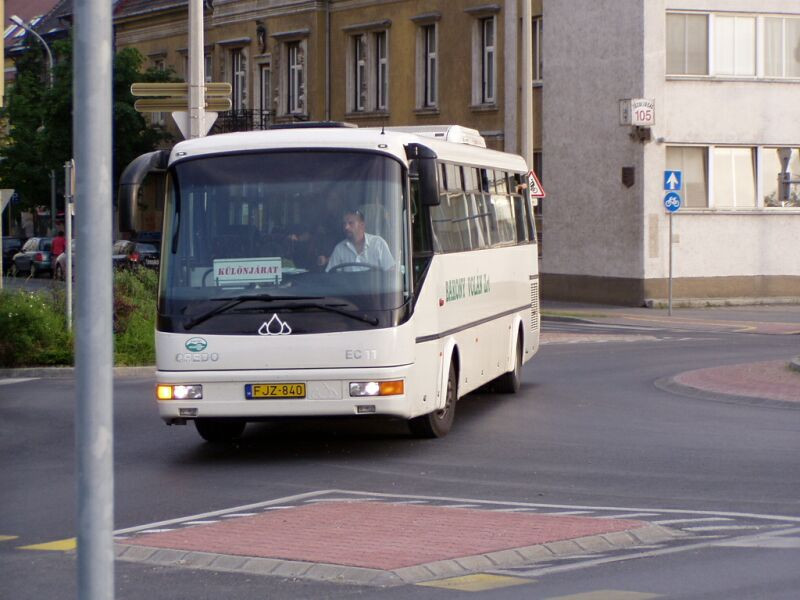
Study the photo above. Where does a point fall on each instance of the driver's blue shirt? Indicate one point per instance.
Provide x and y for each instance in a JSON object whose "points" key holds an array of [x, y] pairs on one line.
{"points": [[375, 253]]}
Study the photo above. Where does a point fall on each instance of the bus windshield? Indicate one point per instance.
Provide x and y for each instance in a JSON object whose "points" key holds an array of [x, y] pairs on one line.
{"points": [[322, 233]]}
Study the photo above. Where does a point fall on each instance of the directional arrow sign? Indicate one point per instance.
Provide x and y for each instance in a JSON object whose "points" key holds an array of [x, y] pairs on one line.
{"points": [[673, 180]]}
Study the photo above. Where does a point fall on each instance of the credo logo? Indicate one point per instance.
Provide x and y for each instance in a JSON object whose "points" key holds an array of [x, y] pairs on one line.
{"points": [[196, 344]]}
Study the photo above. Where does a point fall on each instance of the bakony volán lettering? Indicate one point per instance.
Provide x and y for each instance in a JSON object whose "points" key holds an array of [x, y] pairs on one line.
{"points": [[474, 285]]}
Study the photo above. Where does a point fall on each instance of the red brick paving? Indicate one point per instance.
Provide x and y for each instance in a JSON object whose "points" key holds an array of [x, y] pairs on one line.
{"points": [[772, 380], [378, 535]]}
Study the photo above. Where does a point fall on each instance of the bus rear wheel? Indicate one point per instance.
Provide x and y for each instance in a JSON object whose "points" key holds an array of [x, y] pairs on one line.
{"points": [[220, 430], [437, 424], [508, 383]]}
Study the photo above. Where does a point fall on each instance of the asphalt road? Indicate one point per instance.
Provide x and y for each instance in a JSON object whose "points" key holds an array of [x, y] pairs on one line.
{"points": [[589, 430]]}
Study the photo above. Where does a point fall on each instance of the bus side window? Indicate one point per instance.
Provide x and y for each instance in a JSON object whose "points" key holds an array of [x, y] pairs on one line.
{"points": [[420, 234]]}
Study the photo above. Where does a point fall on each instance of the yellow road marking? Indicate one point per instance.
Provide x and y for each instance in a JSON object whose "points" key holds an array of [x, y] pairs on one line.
{"points": [[607, 595], [58, 545], [5, 538], [478, 582]]}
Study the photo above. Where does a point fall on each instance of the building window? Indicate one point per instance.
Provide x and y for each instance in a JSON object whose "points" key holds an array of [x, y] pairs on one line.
{"points": [[488, 67], [781, 47], [734, 178], [687, 44], [536, 48], [771, 169], [296, 101], [368, 72], [382, 70], [734, 46], [265, 87], [692, 161], [209, 68], [237, 58], [429, 65], [159, 118], [360, 72]]}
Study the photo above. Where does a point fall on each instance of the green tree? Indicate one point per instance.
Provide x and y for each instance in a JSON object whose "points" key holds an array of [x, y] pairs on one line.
{"points": [[40, 120]]}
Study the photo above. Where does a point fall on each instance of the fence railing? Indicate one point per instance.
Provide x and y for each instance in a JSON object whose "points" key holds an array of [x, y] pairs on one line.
{"points": [[242, 120]]}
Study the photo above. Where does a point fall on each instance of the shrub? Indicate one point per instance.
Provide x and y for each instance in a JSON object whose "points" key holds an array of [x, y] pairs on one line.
{"points": [[33, 329], [135, 293]]}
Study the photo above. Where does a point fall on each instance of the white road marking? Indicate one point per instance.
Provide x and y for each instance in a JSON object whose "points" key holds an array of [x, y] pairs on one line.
{"points": [[570, 512], [207, 522], [723, 528], [700, 520], [777, 542], [630, 515], [461, 506], [10, 380], [237, 515], [634, 555]]}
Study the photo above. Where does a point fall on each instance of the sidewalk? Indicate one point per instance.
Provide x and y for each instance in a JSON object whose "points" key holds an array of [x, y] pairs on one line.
{"points": [[772, 383]]}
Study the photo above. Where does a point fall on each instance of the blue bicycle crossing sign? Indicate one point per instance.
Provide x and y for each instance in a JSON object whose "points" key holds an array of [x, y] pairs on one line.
{"points": [[672, 201]]}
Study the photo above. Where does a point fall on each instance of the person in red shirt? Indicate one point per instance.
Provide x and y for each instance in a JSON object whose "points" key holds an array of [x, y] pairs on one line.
{"points": [[58, 245]]}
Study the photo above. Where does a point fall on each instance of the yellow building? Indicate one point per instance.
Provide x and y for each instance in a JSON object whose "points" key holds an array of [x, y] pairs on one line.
{"points": [[370, 62]]}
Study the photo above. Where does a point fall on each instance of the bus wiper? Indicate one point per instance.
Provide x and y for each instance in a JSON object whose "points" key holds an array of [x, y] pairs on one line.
{"points": [[339, 311], [233, 301]]}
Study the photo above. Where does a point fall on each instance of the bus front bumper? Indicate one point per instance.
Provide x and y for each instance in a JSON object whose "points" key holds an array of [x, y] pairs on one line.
{"points": [[327, 393]]}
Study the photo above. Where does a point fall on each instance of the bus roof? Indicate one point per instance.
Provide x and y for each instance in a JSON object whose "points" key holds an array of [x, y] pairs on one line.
{"points": [[386, 141]]}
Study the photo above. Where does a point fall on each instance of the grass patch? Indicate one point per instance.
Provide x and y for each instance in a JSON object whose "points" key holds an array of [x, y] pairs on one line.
{"points": [[33, 327]]}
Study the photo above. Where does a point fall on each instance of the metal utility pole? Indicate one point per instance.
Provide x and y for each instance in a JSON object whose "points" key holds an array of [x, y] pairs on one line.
{"points": [[94, 354], [19, 22], [69, 175], [197, 78]]}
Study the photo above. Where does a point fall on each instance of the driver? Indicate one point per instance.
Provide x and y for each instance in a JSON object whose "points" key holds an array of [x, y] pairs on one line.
{"points": [[360, 246]]}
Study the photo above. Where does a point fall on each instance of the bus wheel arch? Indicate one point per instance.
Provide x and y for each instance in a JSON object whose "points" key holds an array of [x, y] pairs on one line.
{"points": [[438, 422], [510, 381]]}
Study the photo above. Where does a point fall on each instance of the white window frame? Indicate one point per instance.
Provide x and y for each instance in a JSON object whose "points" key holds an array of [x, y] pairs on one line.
{"points": [[709, 45], [237, 63], [536, 48], [265, 86], [381, 69], [488, 60], [296, 83], [714, 49], [360, 62], [429, 41]]}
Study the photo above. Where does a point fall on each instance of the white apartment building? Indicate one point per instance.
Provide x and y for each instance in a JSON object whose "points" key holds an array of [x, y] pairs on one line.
{"points": [[724, 78]]}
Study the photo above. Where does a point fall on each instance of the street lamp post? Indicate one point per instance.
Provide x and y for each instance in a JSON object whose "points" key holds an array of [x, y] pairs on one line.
{"points": [[20, 23]]}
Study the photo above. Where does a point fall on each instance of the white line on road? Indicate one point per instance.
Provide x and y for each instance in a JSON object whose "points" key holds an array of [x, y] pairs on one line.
{"points": [[723, 527], [629, 515], [11, 380], [699, 520]]}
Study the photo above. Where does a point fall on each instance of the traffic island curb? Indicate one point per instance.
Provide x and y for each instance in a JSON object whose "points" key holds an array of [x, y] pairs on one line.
{"points": [[68, 372], [647, 534]]}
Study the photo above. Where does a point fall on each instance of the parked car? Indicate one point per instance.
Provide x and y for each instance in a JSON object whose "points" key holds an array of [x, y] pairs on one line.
{"points": [[33, 258], [11, 245], [126, 254], [60, 271]]}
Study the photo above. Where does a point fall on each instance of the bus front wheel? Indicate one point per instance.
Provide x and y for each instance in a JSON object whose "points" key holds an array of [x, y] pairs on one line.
{"points": [[438, 423], [219, 430]]}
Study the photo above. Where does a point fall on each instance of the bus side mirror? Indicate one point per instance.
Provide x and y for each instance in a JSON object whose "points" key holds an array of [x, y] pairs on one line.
{"points": [[130, 182], [424, 159]]}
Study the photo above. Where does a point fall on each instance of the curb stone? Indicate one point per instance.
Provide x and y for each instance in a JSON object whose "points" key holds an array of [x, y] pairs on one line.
{"points": [[795, 364], [462, 565], [59, 372]]}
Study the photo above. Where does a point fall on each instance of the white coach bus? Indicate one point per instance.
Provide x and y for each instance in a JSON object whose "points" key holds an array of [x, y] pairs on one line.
{"points": [[322, 269]]}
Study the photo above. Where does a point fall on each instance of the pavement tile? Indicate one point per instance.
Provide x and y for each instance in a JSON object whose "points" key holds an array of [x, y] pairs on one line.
{"points": [[772, 380], [377, 535]]}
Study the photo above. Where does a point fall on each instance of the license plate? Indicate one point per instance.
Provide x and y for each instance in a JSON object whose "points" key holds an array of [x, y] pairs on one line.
{"points": [[254, 391], [151, 262]]}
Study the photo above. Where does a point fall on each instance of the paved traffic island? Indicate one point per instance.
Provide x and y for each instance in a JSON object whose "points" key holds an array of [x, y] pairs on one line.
{"points": [[771, 383], [383, 543]]}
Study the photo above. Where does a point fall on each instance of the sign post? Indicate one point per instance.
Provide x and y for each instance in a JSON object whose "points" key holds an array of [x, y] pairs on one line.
{"points": [[673, 181]]}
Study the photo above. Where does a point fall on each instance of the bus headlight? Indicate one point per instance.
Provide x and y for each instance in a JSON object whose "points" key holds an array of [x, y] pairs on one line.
{"points": [[179, 392], [377, 388]]}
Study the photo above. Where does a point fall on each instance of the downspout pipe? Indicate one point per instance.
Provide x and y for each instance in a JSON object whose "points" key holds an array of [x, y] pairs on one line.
{"points": [[327, 60], [526, 77], [511, 77]]}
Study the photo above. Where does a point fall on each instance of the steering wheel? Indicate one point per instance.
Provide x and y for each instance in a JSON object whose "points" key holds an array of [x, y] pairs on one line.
{"points": [[204, 282], [360, 266]]}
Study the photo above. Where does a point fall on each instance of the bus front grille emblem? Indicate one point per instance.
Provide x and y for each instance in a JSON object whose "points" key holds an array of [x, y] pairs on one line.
{"points": [[274, 327]]}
